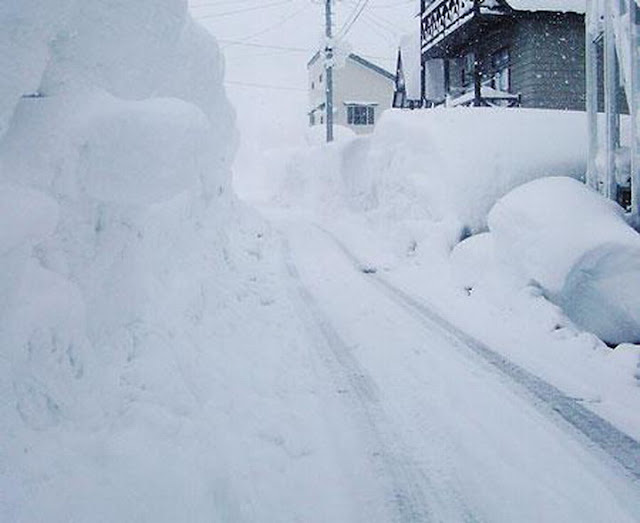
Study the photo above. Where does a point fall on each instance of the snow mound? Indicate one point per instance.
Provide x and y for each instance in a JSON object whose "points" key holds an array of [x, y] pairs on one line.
{"points": [[121, 47], [27, 216], [445, 166], [28, 29], [578, 248], [143, 152], [122, 264], [461, 161]]}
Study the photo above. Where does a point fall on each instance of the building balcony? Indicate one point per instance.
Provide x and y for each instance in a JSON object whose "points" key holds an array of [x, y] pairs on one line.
{"points": [[442, 20]]}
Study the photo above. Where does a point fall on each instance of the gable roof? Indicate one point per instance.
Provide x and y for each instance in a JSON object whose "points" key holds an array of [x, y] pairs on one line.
{"points": [[359, 60], [560, 6], [372, 66]]}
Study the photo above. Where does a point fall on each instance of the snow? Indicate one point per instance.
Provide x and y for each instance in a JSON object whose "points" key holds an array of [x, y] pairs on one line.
{"points": [[560, 6], [139, 153], [486, 92], [410, 49], [142, 374], [168, 355], [27, 216], [404, 199], [579, 249], [29, 27], [445, 164]]}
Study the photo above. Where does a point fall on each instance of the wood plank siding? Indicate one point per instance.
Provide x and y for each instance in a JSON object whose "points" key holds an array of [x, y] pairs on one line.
{"points": [[548, 64], [544, 50]]}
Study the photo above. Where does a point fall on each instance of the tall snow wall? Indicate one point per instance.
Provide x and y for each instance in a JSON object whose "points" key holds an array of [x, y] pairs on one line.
{"points": [[445, 166], [116, 139]]}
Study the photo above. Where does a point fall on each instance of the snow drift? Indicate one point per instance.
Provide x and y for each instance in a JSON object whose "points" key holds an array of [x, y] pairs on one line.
{"points": [[123, 269], [448, 165], [461, 161], [577, 246]]}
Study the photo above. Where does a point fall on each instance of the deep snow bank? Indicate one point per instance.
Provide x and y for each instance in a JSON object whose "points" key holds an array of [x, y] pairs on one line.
{"points": [[578, 248], [460, 161], [448, 165], [123, 269]]}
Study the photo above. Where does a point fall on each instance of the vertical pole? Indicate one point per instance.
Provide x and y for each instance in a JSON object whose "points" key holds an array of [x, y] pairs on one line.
{"points": [[633, 108], [611, 103], [423, 65], [329, 70], [477, 78], [591, 49]]}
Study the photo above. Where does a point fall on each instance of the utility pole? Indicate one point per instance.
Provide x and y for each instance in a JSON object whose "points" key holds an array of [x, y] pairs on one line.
{"points": [[328, 65]]}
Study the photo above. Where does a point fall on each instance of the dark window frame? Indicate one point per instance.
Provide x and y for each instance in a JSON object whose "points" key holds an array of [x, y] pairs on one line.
{"points": [[361, 114], [501, 69]]}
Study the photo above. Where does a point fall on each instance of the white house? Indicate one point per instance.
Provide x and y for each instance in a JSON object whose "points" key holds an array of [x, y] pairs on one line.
{"points": [[362, 90]]}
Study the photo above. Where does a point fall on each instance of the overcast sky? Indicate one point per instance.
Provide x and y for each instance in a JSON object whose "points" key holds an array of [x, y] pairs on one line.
{"points": [[267, 84]]}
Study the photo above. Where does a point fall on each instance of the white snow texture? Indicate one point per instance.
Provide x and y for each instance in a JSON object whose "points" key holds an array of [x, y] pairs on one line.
{"points": [[116, 139], [578, 248], [440, 173]]}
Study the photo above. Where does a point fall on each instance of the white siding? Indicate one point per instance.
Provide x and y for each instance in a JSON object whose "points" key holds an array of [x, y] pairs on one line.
{"points": [[354, 82]]}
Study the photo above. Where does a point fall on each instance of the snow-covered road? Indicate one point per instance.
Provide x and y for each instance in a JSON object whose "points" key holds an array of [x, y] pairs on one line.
{"points": [[426, 427]]}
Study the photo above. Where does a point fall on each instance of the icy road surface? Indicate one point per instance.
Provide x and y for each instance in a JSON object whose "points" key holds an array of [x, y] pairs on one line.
{"points": [[427, 427]]}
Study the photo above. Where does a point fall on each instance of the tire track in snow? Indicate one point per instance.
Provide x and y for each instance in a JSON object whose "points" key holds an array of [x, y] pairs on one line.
{"points": [[407, 484], [616, 444]]}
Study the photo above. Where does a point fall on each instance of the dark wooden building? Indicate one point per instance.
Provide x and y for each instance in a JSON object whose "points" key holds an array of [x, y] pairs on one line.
{"points": [[527, 53]]}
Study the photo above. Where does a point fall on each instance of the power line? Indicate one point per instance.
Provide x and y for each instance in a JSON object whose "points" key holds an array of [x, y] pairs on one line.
{"points": [[222, 2], [265, 86], [244, 10], [267, 46], [279, 23], [356, 6], [389, 6], [284, 48], [345, 30]]}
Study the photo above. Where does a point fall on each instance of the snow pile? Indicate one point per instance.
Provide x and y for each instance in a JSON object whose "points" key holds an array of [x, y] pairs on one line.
{"points": [[560, 6], [124, 272], [322, 178], [459, 162], [437, 171], [579, 249], [410, 49]]}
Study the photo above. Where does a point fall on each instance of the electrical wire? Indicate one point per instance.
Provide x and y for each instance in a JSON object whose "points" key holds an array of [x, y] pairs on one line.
{"points": [[244, 10], [267, 29], [265, 86], [345, 30], [221, 2]]}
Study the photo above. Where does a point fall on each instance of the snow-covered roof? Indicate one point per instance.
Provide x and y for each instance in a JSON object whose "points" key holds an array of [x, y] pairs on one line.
{"points": [[362, 61], [561, 6], [370, 65], [356, 102]]}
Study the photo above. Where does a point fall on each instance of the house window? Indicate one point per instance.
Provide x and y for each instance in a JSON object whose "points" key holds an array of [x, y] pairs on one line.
{"points": [[321, 119], [360, 114], [467, 69], [312, 118], [501, 67], [320, 77], [313, 85]]}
